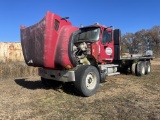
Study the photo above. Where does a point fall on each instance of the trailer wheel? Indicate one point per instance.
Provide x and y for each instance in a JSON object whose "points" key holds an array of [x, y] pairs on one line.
{"points": [[147, 67], [140, 68], [134, 71], [87, 80]]}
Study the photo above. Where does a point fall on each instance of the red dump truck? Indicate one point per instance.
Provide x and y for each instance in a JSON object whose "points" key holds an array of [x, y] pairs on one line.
{"points": [[84, 56]]}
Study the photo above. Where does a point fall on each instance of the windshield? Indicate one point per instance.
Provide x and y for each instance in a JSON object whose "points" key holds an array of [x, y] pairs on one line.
{"points": [[89, 34]]}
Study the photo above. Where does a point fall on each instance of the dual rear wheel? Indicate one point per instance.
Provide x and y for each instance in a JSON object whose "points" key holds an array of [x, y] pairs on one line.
{"points": [[141, 68]]}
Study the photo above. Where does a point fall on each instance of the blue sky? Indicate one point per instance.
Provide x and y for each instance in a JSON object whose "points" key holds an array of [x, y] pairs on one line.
{"points": [[128, 15]]}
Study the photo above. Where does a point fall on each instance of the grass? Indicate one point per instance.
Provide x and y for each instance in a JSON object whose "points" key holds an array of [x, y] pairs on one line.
{"points": [[16, 69], [122, 97]]}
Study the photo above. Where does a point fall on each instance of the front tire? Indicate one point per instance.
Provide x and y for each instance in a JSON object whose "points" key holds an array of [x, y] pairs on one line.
{"points": [[87, 80]]}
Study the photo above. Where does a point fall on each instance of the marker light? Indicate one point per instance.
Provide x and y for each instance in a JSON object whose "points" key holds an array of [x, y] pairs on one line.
{"points": [[68, 67]]}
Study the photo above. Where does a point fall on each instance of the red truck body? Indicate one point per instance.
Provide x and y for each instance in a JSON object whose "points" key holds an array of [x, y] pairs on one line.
{"points": [[46, 43]]}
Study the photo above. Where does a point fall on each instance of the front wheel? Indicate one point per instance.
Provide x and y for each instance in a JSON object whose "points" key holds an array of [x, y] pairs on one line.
{"points": [[87, 80]]}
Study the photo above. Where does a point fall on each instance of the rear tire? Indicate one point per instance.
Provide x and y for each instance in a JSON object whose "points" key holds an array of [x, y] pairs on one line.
{"points": [[140, 68], [134, 69], [147, 67], [87, 80]]}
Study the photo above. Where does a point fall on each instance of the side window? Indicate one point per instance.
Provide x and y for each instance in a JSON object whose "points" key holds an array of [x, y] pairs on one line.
{"points": [[107, 37], [56, 25]]}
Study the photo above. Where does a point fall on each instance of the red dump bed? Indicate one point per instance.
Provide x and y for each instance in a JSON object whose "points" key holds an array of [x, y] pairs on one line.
{"points": [[45, 44]]}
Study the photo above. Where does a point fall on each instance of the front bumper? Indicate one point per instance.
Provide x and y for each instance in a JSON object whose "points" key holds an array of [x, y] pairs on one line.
{"points": [[58, 75]]}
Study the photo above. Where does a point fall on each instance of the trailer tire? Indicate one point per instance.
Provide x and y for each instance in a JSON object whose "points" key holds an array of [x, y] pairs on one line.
{"points": [[87, 80], [147, 67], [134, 71], [140, 68]]}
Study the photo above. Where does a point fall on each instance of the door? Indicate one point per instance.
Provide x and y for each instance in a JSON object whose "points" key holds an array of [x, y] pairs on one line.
{"points": [[106, 46]]}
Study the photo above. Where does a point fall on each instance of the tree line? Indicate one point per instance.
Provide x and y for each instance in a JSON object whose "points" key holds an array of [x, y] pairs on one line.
{"points": [[141, 41]]}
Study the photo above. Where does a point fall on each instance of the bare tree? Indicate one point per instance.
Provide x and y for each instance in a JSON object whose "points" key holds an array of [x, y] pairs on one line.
{"points": [[141, 41]]}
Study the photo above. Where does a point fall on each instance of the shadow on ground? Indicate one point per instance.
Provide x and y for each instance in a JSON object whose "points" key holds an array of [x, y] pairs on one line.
{"points": [[57, 86]]}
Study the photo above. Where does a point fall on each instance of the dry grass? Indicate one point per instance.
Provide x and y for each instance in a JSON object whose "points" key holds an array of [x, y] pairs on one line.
{"points": [[122, 97], [16, 69]]}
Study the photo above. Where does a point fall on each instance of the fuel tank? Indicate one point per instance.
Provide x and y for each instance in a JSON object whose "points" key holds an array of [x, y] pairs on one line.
{"points": [[46, 43]]}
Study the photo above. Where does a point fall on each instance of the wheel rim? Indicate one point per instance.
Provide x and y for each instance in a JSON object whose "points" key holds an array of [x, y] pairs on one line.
{"points": [[91, 80]]}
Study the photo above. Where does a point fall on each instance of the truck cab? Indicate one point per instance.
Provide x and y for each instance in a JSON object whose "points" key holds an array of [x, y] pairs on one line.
{"points": [[96, 41]]}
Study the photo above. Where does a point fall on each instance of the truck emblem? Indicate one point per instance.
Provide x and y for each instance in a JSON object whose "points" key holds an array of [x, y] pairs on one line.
{"points": [[108, 51]]}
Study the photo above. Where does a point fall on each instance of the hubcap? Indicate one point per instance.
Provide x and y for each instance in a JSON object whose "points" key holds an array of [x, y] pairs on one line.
{"points": [[91, 80]]}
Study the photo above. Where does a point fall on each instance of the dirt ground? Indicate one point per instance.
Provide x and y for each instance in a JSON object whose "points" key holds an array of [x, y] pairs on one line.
{"points": [[121, 97]]}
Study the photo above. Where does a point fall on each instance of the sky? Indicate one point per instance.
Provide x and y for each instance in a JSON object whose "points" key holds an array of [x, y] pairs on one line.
{"points": [[127, 15]]}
